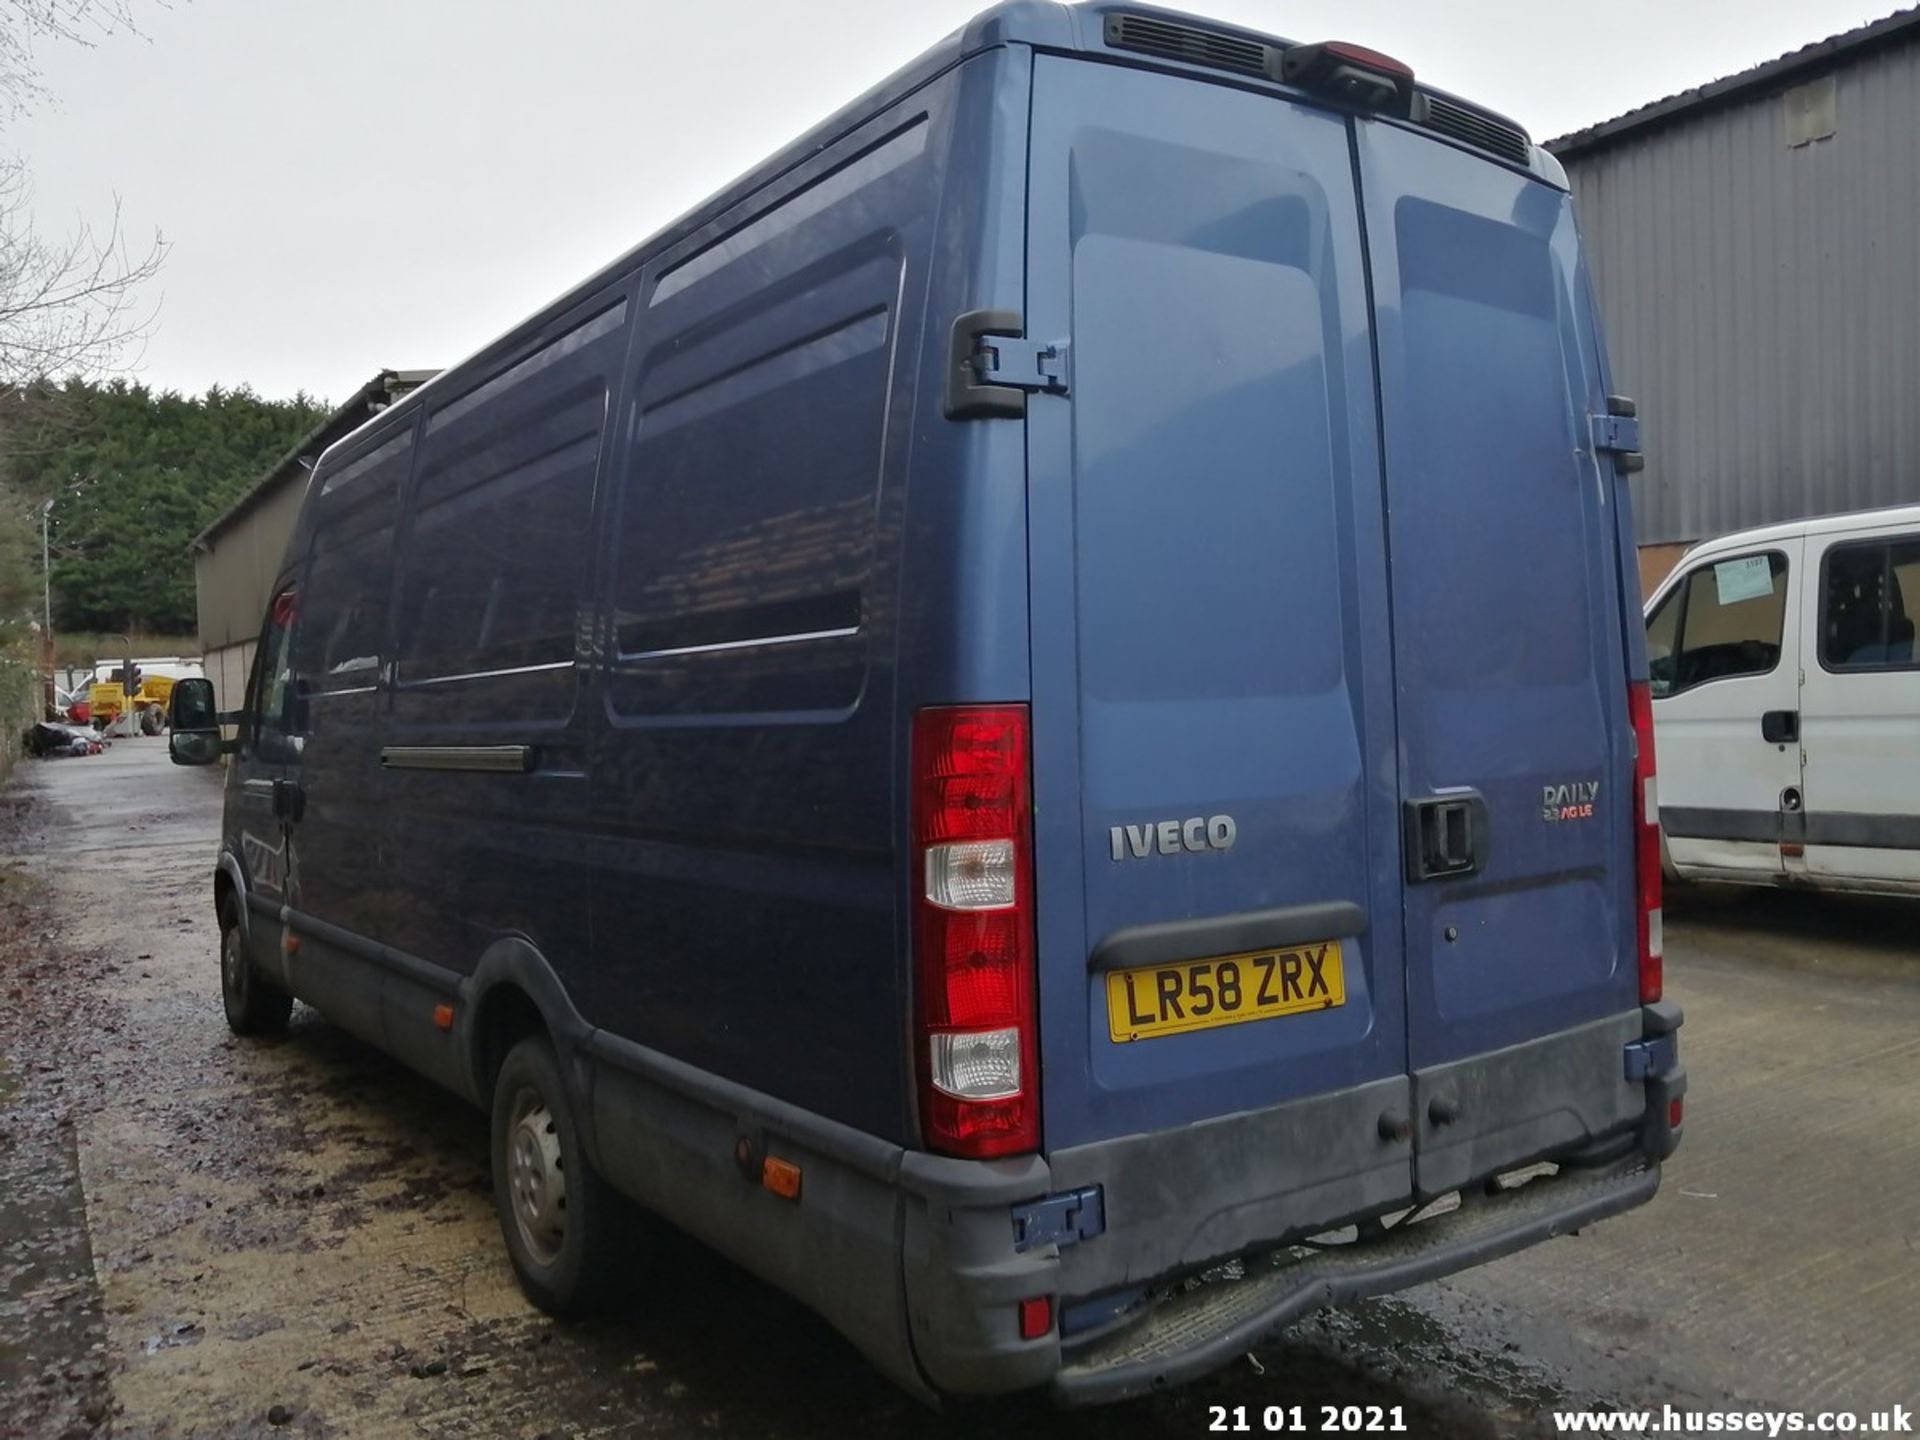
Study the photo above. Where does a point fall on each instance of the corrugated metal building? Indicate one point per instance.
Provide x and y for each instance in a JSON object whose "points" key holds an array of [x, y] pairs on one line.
{"points": [[237, 558], [1756, 248]]}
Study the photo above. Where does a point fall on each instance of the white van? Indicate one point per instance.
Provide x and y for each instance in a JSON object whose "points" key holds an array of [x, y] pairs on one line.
{"points": [[1786, 704]]}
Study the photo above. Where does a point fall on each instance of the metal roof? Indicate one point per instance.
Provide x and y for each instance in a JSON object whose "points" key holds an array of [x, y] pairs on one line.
{"points": [[1801, 64], [1851, 522], [371, 398]]}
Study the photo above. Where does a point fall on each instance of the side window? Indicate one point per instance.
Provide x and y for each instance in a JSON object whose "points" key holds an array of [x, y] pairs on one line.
{"points": [[1870, 605], [271, 691], [343, 610], [1728, 617], [497, 568], [1663, 639], [745, 536], [345, 628], [498, 555]]}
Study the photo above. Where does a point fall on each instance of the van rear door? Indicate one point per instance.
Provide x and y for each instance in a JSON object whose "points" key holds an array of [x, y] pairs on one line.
{"points": [[1319, 685], [1515, 758], [1212, 686]]}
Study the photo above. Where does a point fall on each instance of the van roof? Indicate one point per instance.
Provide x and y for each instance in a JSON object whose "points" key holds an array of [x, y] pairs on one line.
{"points": [[1188, 42], [1817, 525]]}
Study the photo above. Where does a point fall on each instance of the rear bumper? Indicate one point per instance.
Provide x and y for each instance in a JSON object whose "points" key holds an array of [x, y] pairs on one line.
{"points": [[1152, 1293], [1211, 1320], [1199, 1199]]}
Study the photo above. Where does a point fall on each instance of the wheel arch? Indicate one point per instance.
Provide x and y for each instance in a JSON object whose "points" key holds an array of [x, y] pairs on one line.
{"points": [[515, 992], [230, 883]]}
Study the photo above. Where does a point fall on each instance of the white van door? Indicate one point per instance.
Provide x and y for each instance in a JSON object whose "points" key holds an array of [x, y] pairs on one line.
{"points": [[1724, 662], [1860, 708]]}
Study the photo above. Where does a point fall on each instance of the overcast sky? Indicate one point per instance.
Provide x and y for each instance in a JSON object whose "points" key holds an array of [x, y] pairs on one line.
{"points": [[350, 185]]}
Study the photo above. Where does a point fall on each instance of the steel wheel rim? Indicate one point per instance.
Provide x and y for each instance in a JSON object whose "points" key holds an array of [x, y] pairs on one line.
{"points": [[233, 965], [536, 1177]]}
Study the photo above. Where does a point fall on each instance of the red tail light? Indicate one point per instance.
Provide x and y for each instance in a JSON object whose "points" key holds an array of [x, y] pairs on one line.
{"points": [[1646, 840], [973, 869]]}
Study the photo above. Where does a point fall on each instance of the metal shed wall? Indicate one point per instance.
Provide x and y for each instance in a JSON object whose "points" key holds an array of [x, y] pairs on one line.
{"points": [[233, 576], [234, 572], [1762, 301]]}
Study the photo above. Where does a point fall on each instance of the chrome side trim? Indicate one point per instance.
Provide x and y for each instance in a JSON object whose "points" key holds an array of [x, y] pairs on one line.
{"points": [[756, 643], [489, 674], [498, 759]]}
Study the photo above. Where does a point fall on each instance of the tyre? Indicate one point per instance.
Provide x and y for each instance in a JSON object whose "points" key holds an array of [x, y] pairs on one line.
{"points": [[572, 1237], [255, 1005]]}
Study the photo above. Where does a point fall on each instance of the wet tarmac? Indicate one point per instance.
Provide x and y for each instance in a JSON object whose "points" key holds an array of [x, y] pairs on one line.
{"points": [[201, 1236]]}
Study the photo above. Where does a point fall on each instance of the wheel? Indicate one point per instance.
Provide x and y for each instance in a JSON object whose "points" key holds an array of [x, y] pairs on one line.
{"points": [[571, 1236], [255, 1005]]}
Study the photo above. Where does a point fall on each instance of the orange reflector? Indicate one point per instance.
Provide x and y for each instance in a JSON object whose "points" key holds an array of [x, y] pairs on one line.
{"points": [[782, 1177], [1036, 1317], [1674, 1109], [443, 1016], [290, 944], [1793, 849]]}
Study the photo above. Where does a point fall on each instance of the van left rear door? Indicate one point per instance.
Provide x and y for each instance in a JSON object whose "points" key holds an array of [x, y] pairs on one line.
{"points": [[1212, 687]]}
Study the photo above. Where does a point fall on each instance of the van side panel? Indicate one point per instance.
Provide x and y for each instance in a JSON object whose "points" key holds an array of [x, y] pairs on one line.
{"points": [[491, 604], [344, 557], [340, 649], [742, 796]]}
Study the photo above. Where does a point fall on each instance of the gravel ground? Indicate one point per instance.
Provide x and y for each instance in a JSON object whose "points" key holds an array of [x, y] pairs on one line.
{"points": [[203, 1236]]}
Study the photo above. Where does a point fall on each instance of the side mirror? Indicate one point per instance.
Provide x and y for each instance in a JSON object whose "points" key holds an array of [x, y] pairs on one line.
{"points": [[194, 722]]}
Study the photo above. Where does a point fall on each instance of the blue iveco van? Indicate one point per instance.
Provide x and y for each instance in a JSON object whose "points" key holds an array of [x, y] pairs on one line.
{"points": [[1044, 694]]}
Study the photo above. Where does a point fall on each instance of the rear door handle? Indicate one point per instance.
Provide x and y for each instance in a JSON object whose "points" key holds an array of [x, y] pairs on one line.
{"points": [[1780, 727], [1446, 836]]}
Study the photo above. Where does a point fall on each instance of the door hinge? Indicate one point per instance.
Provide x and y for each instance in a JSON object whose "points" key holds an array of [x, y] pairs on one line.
{"points": [[992, 366], [1618, 433], [1654, 1056], [1022, 363], [1062, 1220]]}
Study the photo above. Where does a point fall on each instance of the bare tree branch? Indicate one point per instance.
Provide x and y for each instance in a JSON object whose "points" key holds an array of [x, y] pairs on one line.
{"points": [[25, 23], [67, 305]]}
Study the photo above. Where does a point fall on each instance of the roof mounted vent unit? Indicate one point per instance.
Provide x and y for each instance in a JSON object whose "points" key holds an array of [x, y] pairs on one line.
{"points": [[1351, 74], [1194, 44], [1472, 126]]}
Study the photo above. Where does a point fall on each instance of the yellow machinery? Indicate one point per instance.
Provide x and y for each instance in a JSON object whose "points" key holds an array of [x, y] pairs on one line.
{"points": [[108, 699]]}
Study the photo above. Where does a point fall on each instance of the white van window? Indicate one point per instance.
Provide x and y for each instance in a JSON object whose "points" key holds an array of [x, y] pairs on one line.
{"points": [[1724, 619], [1663, 638], [1870, 605]]}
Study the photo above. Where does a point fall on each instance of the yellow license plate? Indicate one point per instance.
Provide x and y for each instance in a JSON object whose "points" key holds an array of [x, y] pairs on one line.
{"points": [[1200, 994]]}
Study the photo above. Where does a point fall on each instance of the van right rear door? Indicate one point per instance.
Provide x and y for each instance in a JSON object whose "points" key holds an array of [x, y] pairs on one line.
{"points": [[1515, 755]]}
